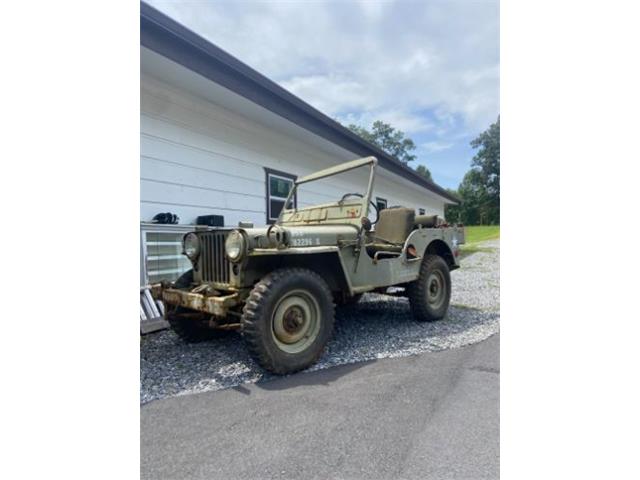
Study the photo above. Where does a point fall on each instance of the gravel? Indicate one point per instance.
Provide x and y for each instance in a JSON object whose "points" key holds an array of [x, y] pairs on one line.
{"points": [[379, 326]]}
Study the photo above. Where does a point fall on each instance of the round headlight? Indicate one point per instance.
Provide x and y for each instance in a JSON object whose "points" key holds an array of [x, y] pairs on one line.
{"points": [[191, 245], [235, 246]]}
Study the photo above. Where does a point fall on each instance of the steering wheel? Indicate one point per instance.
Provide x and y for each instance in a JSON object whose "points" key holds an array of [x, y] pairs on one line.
{"points": [[375, 207]]}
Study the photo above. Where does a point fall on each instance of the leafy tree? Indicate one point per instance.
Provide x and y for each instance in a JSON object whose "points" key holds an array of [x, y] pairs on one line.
{"points": [[389, 139], [452, 212], [472, 193], [487, 163], [480, 188], [424, 171]]}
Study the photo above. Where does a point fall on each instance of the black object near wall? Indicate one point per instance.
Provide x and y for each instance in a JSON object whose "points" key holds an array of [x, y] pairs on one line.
{"points": [[211, 220], [167, 218]]}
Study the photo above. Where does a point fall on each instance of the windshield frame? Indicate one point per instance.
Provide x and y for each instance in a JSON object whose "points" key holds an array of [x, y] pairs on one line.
{"points": [[372, 162]]}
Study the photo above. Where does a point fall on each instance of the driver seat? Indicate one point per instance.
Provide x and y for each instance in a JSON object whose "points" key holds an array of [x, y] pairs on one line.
{"points": [[393, 227]]}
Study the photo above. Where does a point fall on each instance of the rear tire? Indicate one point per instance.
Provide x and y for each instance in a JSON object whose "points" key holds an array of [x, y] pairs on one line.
{"points": [[288, 320], [429, 295], [344, 300], [190, 329]]}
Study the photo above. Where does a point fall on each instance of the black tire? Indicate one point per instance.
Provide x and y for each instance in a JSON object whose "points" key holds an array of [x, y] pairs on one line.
{"points": [[184, 280], [191, 330], [344, 300], [429, 295], [284, 305]]}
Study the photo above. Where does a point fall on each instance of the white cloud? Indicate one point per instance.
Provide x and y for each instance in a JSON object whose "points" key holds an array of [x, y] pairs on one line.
{"points": [[360, 61], [373, 10], [436, 146], [408, 122]]}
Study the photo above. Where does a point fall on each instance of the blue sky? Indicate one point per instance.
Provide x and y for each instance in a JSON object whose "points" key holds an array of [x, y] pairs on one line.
{"points": [[430, 68]]}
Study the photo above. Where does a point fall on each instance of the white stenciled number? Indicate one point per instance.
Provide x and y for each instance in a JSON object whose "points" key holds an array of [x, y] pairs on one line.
{"points": [[301, 242], [305, 242]]}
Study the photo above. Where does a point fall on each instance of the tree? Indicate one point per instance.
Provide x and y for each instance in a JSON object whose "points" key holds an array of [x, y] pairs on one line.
{"points": [[480, 188], [424, 171], [472, 194], [487, 163], [389, 139], [452, 212]]}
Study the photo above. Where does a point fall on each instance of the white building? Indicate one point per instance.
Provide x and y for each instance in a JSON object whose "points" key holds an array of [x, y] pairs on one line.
{"points": [[217, 137]]}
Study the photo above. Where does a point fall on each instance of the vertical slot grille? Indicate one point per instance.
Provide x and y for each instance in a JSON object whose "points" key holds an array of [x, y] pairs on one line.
{"points": [[213, 262]]}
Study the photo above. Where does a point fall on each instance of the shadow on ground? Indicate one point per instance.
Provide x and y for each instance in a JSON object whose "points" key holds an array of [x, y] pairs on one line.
{"points": [[378, 327]]}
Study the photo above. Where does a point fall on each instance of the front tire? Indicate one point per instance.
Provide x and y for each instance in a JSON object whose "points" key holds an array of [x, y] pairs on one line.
{"points": [[430, 293], [186, 323], [288, 320]]}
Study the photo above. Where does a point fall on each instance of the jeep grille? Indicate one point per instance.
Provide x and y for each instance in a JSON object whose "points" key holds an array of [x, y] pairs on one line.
{"points": [[213, 261]]}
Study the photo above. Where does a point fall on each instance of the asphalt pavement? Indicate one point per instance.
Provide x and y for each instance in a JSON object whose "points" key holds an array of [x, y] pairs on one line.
{"points": [[428, 416]]}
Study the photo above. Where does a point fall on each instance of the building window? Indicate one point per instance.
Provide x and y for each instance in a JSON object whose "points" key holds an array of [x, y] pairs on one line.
{"points": [[279, 184], [421, 211], [381, 203]]}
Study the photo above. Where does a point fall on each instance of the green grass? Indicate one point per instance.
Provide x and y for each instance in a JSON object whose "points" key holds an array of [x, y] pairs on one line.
{"points": [[477, 234], [481, 233]]}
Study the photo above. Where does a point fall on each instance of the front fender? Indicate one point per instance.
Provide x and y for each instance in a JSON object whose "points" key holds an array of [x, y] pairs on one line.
{"points": [[325, 261]]}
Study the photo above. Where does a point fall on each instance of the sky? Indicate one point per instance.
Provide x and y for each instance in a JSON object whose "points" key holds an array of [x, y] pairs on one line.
{"points": [[430, 68]]}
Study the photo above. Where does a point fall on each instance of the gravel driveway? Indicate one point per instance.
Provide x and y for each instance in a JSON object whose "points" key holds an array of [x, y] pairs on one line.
{"points": [[380, 326]]}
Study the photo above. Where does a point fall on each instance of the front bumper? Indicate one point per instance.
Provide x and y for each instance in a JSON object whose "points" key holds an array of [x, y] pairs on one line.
{"points": [[218, 305]]}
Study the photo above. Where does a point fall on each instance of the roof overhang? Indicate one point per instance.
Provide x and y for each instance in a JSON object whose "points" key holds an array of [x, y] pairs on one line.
{"points": [[170, 39]]}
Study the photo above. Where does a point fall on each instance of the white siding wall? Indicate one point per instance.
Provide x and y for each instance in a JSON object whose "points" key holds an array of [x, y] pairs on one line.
{"points": [[198, 158]]}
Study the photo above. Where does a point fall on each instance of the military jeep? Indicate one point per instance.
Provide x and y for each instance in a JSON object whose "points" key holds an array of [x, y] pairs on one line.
{"points": [[278, 285]]}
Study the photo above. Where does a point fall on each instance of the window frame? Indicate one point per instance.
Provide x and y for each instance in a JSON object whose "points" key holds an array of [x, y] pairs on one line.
{"points": [[269, 172], [382, 200]]}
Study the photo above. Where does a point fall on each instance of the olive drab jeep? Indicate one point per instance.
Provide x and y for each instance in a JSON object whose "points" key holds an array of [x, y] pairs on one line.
{"points": [[278, 285]]}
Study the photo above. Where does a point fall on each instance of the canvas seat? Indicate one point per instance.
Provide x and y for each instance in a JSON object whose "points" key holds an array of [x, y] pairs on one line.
{"points": [[393, 228]]}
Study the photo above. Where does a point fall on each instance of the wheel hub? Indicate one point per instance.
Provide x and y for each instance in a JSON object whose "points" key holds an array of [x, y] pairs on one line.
{"points": [[295, 321], [435, 289]]}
